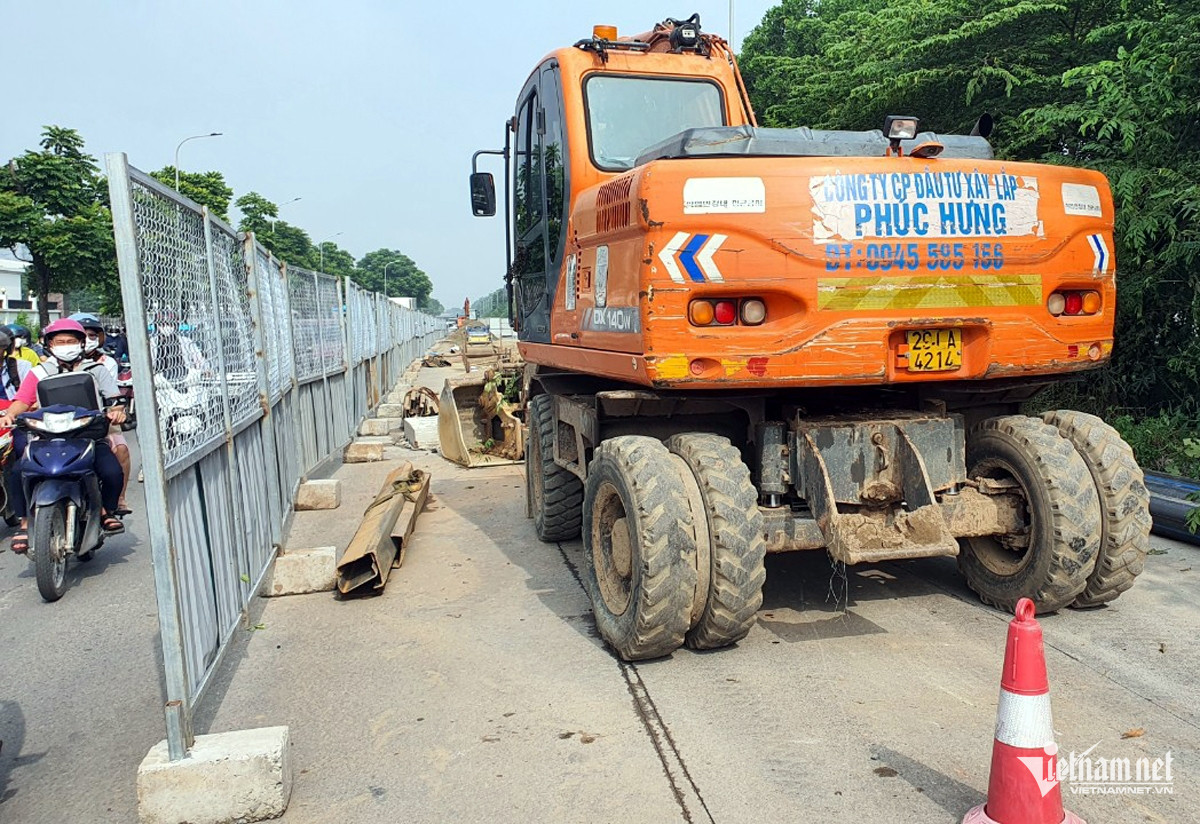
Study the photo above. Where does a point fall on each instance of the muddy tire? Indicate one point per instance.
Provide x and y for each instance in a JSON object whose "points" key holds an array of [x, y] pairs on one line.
{"points": [[736, 544], [639, 545], [555, 495], [1124, 503], [1050, 562]]}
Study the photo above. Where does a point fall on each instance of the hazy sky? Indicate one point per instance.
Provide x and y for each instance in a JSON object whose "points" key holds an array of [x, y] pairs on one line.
{"points": [[367, 111]]}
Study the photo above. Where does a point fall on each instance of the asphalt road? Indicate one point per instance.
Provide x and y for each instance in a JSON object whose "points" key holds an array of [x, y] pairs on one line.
{"points": [[80, 695]]}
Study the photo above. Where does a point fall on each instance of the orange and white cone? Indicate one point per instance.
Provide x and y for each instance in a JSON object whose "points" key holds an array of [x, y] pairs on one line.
{"points": [[1024, 787]]}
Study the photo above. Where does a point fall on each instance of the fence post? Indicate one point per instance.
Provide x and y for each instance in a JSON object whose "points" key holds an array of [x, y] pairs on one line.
{"points": [[348, 355], [178, 709], [233, 477], [254, 287]]}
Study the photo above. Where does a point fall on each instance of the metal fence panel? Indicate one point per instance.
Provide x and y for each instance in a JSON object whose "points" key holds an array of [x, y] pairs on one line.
{"points": [[229, 333]]}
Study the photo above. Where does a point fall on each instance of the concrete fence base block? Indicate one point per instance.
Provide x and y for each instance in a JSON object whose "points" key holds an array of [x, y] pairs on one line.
{"points": [[390, 410], [232, 776], [323, 494], [422, 433], [300, 571], [365, 450], [378, 426]]}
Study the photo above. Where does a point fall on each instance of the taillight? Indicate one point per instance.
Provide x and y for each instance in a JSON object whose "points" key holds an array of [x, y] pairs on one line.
{"points": [[727, 312], [754, 312], [1073, 303], [701, 312]]}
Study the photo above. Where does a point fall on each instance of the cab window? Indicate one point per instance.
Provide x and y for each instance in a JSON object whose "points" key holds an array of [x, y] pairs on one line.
{"points": [[627, 115]]}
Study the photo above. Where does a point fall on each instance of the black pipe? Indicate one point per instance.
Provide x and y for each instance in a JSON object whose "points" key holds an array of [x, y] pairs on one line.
{"points": [[1169, 505]]}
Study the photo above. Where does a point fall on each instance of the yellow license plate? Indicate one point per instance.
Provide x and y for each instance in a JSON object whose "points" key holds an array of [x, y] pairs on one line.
{"points": [[934, 350]]}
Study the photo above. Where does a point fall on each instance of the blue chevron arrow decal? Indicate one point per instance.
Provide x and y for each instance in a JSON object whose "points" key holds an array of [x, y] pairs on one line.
{"points": [[688, 258]]}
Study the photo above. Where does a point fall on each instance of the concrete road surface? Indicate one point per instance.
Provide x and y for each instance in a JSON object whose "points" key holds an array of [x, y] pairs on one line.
{"points": [[475, 689]]}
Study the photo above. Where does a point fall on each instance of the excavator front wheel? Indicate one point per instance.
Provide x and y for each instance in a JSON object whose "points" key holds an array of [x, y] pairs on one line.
{"points": [[1049, 561], [639, 547]]}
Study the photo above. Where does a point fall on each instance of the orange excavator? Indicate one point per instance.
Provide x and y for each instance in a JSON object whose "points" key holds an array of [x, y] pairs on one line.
{"points": [[743, 340]]}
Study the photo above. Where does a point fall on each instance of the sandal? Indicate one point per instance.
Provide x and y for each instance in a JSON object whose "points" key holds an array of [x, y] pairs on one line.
{"points": [[122, 510], [20, 542], [111, 525]]}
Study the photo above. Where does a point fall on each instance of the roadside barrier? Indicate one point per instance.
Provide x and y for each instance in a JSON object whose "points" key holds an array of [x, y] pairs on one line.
{"points": [[1023, 787], [248, 374]]}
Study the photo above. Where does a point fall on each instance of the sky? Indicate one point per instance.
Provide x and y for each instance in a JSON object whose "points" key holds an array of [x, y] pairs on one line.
{"points": [[366, 111]]}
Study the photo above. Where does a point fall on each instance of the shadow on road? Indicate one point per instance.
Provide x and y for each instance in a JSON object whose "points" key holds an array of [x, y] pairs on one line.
{"points": [[12, 740]]}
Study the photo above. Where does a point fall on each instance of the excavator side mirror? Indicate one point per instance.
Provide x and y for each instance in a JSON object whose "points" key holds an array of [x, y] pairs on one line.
{"points": [[483, 194]]}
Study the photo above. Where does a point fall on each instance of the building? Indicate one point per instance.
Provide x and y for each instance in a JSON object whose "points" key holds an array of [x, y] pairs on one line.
{"points": [[13, 300]]}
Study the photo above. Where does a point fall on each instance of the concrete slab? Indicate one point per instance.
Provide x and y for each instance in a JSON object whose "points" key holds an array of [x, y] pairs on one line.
{"points": [[389, 410], [322, 494], [365, 450], [300, 571], [422, 433], [238, 776], [379, 426]]}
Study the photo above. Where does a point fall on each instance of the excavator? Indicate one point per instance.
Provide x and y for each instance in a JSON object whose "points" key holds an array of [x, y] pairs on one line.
{"points": [[741, 340]]}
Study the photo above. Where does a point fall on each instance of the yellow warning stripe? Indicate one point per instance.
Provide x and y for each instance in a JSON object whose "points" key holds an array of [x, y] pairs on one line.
{"points": [[865, 294]]}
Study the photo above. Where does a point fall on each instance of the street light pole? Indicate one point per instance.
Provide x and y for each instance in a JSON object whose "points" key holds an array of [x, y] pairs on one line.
{"points": [[180, 146], [321, 249], [385, 268], [277, 208]]}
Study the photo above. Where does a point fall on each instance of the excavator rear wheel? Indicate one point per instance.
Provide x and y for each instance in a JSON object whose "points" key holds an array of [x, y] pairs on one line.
{"points": [[639, 547], [555, 494], [1124, 503], [1051, 559], [735, 534]]}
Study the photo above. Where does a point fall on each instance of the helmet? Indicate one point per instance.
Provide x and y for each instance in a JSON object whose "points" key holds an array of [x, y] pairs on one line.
{"points": [[19, 331], [88, 321], [65, 325]]}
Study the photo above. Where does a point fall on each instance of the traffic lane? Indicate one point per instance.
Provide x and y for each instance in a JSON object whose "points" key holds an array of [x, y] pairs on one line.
{"points": [[872, 692], [80, 695]]}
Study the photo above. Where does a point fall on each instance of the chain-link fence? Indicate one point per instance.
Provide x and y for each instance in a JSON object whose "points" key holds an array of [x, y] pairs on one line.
{"points": [[248, 374]]}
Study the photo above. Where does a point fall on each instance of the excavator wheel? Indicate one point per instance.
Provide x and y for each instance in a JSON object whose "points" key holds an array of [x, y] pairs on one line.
{"points": [[1051, 560], [639, 544], [554, 494], [1124, 503], [725, 608]]}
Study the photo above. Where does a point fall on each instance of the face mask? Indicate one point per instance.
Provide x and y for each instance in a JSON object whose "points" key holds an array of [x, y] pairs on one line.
{"points": [[19, 343], [92, 345], [67, 352]]}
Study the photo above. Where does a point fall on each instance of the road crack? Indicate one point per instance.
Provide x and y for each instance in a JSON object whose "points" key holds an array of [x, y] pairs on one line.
{"points": [[683, 786]]}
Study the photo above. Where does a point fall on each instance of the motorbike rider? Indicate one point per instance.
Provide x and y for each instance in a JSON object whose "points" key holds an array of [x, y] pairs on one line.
{"points": [[12, 368], [64, 341], [21, 339], [94, 354], [116, 343]]}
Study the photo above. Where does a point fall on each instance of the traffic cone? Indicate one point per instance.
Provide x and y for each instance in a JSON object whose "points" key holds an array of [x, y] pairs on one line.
{"points": [[1023, 788]]}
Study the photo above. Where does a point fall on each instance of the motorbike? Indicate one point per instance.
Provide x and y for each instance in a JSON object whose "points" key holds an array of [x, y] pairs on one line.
{"points": [[58, 472]]}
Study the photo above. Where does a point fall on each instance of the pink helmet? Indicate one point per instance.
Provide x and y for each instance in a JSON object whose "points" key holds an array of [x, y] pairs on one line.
{"points": [[65, 325]]}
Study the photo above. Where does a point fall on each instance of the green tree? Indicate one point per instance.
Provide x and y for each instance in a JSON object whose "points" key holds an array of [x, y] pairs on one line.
{"points": [[54, 215], [206, 188], [404, 277], [433, 306]]}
